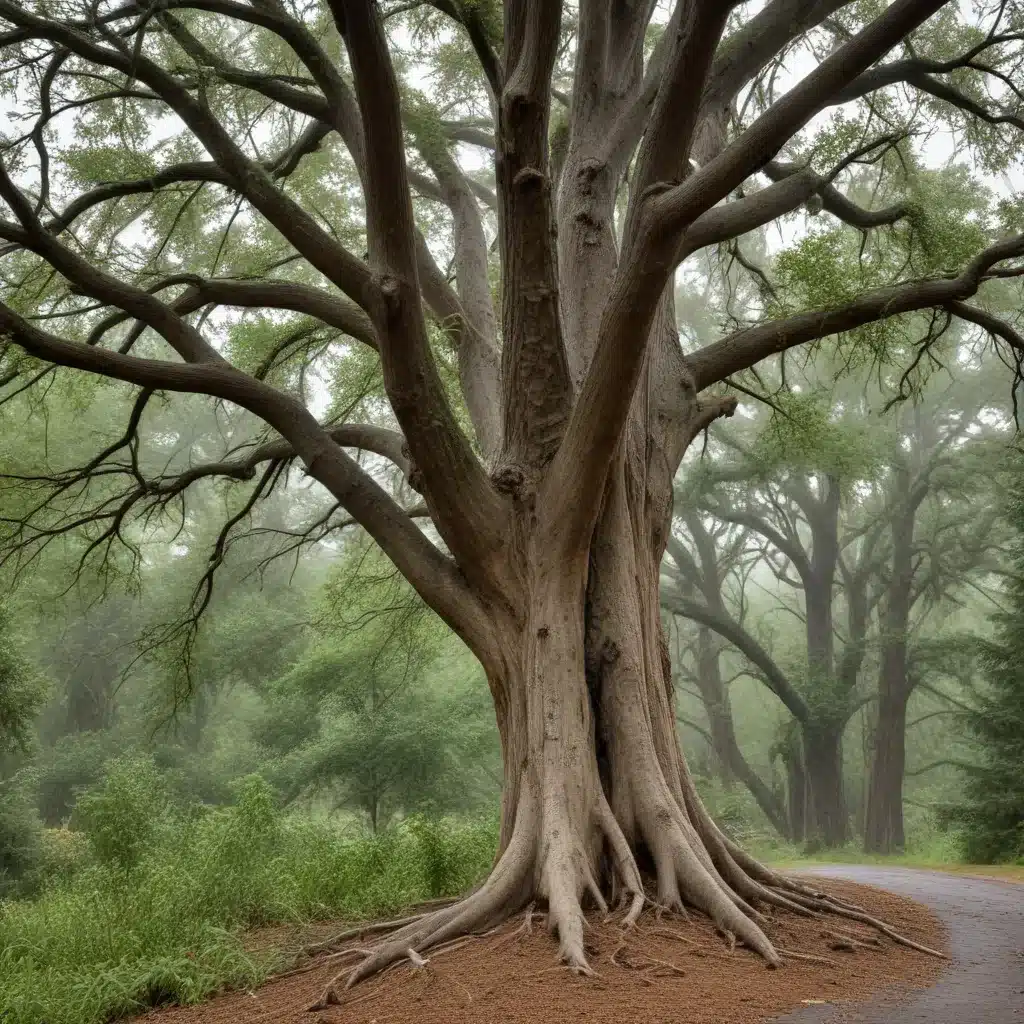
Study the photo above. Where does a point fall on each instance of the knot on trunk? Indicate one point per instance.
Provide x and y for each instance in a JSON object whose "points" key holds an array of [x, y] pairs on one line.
{"points": [[510, 480], [413, 476], [658, 188], [591, 226], [529, 177], [588, 172]]}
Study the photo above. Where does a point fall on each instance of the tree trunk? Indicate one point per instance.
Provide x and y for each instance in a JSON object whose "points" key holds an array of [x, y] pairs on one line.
{"points": [[823, 734], [728, 755], [883, 831], [823, 757], [597, 792], [796, 788], [883, 828], [715, 698]]}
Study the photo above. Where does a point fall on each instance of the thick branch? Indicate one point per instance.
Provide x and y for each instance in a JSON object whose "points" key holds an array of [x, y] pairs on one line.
{"points": [[725, 626], [535, 370], [766, 136], [434, 577], [745, 348], [468, 512]]}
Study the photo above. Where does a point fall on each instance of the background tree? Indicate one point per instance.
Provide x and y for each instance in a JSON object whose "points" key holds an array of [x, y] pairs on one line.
{"points": [[939, 535], [550, 516], [992, 811], [704, 571], [354, 720]]}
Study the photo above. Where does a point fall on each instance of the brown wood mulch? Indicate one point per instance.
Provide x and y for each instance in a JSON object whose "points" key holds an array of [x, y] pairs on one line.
{"points": [[667, 970]]}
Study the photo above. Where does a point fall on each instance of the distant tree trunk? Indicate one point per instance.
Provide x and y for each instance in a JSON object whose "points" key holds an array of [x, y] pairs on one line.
{"points": [[728, 755], [883, 828], [823, 758], [89, 706], [791, 754], [884, 821], [704, 574], [823, 732], [715, 698]]}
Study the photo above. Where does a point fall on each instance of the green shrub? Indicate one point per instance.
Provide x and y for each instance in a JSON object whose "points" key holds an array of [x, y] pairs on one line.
{"points": [[120, 815], [74, 763], [20, 838], [449, 856], [100, 943], [62, 852]]}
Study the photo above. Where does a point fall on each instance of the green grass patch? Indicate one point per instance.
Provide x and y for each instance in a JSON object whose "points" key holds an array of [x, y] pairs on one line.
{"points": [[167, 925]]}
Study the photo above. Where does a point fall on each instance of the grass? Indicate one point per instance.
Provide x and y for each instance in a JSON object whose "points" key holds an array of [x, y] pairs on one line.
{"points": [[108, 942], [164, 917]]}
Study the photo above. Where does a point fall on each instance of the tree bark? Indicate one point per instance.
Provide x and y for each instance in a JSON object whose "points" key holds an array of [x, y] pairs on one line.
{"points": [[883, 829], [823, 759], [796, 792]]}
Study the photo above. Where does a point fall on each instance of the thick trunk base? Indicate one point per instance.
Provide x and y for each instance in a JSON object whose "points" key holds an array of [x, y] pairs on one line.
{"points": [[883, 828], [599, 810]]}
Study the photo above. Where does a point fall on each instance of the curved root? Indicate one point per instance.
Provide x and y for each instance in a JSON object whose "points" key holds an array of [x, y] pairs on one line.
{"points": [[694, 862]]}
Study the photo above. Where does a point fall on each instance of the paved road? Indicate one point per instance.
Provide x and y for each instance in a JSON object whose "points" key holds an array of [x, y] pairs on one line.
{"points": [[984, 984]]}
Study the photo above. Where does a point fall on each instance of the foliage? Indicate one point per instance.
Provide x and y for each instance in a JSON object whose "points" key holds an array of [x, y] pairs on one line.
{"points": [[382, 714], [21, 835], [72, 764], [992, 812], [120, 815], [100, 945], [22, 690]]}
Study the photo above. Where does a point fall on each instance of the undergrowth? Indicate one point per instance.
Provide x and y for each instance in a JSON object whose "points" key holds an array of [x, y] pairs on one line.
{"points": [[166, 923]]}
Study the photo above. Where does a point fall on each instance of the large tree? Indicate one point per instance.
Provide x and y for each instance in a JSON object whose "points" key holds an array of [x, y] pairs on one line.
{"points": [[550, 501]]}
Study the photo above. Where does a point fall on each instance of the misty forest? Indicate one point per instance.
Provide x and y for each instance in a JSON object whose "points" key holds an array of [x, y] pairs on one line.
{"points": [[488, 457]]}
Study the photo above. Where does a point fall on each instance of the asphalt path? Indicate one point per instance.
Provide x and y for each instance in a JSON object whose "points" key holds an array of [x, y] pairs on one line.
{"points": [[984, 983]]}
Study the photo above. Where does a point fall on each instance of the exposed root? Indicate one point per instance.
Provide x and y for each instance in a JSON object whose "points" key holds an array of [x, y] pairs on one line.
{"points": [[360, 931], [666, 964], [891, 933], [845, 943], [524, 930], [668, 933], [635, 961], [809, 957], [635, 909], [554, 861]]}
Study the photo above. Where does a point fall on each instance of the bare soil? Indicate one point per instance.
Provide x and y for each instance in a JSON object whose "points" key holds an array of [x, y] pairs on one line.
{"points": [[664, 970]]}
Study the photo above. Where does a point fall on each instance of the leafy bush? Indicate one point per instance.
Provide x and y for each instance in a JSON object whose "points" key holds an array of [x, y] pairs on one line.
{"points": [[100, 943], [120, 815], [71, 765], [62, 852], [450, 857], [20, 838], [736, 810]]}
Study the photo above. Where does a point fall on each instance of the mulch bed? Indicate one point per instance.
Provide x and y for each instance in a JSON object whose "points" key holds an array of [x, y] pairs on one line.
{"points": [[664, 971]]}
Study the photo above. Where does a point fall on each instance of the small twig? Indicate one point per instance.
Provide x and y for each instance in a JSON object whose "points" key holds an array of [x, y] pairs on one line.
{"points": [[809, 957], [668, 933], [850, 943], [666, 964]]}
